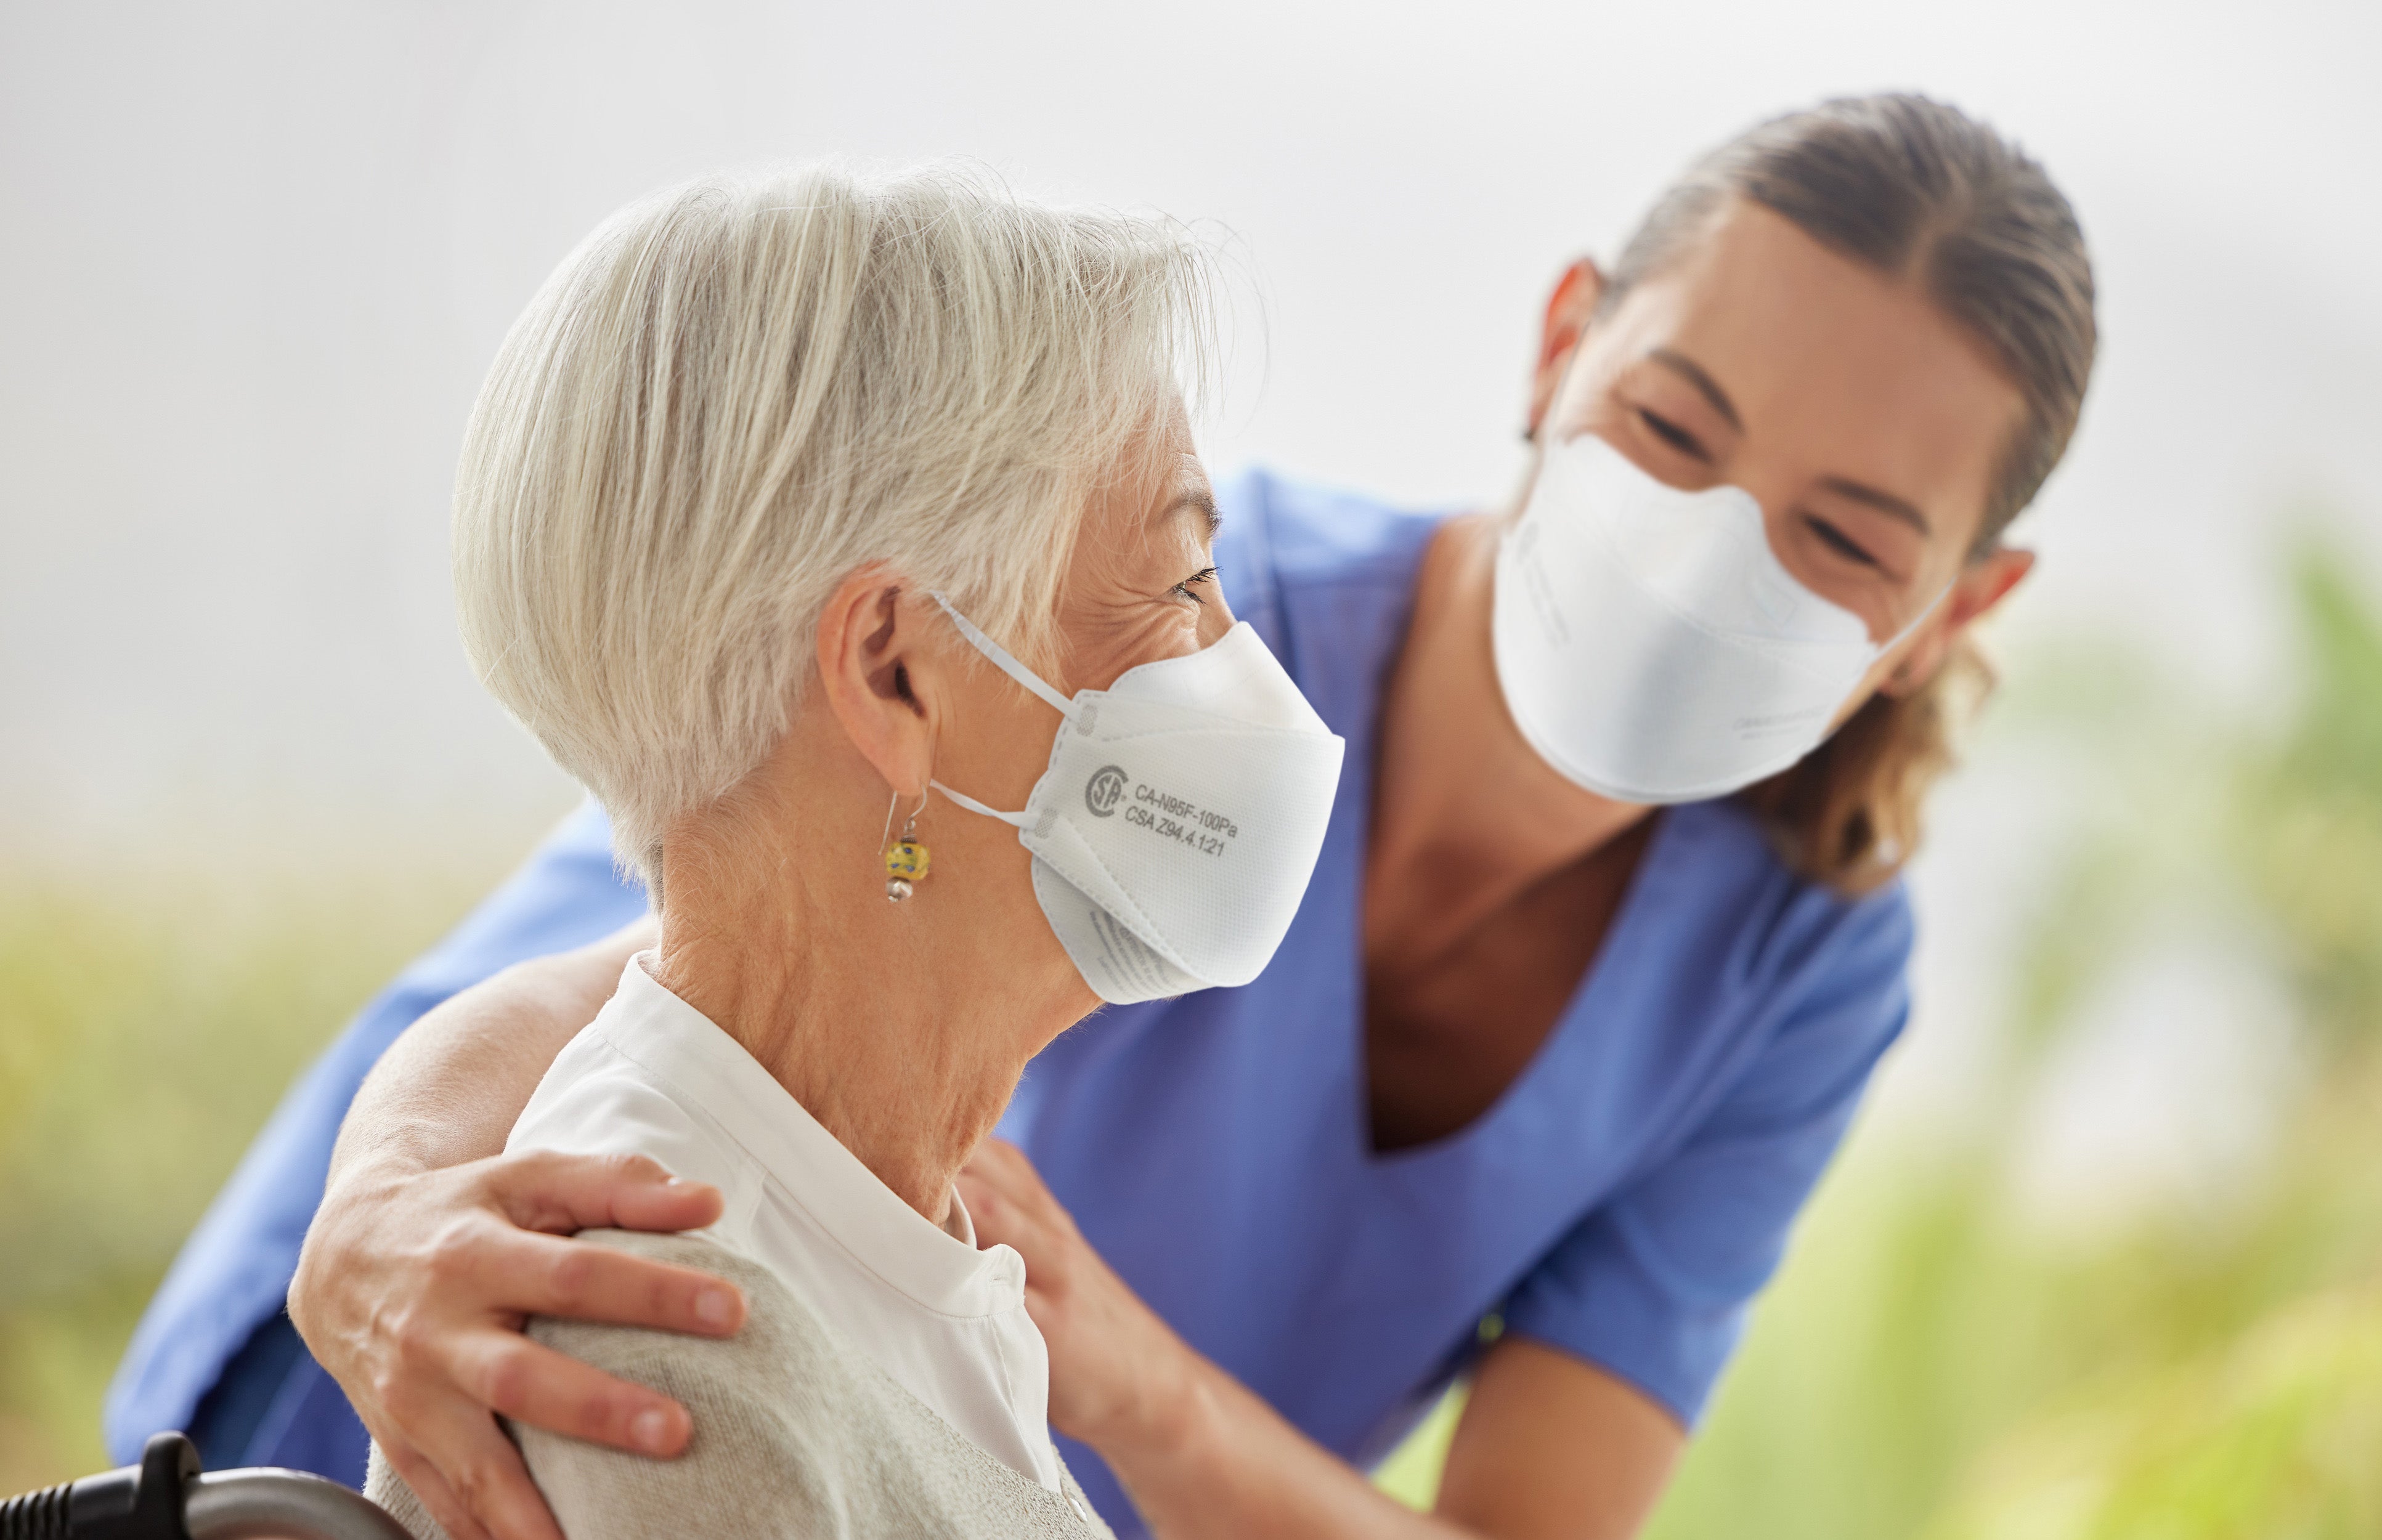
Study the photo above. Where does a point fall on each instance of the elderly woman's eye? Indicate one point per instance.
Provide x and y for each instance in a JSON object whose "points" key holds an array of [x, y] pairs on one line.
{"points": [[1196, 580]]}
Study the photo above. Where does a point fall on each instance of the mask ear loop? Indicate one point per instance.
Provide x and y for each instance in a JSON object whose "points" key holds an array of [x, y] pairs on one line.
{"points": [[1014, 820], [1009, 665], [1898, 638], [1004, 662]]}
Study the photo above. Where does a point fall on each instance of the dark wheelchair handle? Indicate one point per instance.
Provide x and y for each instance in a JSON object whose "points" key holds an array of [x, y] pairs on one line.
{"points": [[166, 1497]]}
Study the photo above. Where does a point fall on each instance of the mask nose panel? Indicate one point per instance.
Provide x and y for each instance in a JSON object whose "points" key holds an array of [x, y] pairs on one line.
{"points": [[1707, 553], [1237, 668]]}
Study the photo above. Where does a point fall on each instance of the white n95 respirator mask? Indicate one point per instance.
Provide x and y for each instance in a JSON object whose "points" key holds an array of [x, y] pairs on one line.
{"points": [[1651, 645], [1180, 818]]}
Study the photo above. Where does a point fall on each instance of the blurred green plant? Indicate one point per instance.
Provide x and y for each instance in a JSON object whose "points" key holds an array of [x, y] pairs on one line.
{"points": [[2306, 826], [147, 1026], [2259, 1409]]}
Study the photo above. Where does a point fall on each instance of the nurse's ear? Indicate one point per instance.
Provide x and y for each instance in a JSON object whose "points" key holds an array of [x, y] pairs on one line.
{"points": [[1569, 310], [1982, 585]]}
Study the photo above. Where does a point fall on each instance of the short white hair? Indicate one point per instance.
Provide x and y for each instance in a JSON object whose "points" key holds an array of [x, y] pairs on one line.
{"points": [[740, 390]]}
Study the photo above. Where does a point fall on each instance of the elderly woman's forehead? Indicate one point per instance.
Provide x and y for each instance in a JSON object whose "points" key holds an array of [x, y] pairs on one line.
{"points": [[1167, 507], [1182, 495]]}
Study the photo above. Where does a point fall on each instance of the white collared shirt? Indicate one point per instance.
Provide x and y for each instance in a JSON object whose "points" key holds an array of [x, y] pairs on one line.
{"points": [[653, 1076]]}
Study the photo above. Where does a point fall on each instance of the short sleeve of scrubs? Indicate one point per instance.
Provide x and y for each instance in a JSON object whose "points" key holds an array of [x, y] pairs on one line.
{"points": [[1654, 1285]]}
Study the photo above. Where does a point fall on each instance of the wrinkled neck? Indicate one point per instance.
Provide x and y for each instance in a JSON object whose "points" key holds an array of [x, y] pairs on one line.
{"points": [[857, 1007]]}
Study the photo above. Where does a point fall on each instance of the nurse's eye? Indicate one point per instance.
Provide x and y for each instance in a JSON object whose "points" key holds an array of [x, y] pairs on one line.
{"points": [[1190, 586], [1838, 541], [1676, 436]]}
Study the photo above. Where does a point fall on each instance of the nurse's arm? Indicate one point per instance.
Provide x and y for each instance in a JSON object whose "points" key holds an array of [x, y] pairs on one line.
{"points": [[1551, 1444], [1548, 1445], [431, 1245]]}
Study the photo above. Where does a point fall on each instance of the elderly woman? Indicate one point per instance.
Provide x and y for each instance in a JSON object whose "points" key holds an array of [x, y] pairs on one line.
{"points": [[755, 484]]}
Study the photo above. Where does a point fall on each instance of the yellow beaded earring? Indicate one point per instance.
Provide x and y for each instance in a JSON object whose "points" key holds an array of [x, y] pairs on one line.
{"points": [[905, 859]]}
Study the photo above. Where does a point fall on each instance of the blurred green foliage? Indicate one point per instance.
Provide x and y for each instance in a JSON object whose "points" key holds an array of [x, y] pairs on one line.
{"points": [[2228, 1381], [147, 1026]]}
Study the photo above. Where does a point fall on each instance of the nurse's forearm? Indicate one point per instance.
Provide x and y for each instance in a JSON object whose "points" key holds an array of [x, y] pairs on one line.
{"points": [[1549, 1448], [1222, 1463], [449, 1089]]}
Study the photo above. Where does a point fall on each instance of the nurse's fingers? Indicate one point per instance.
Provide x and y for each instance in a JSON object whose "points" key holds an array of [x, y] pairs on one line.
{"points": [[472, 1478], [549, 1190], [998, 1155], [1038, 1233], [533, 1384], [994, 1202], [1003, 1169], [524, 1272]]}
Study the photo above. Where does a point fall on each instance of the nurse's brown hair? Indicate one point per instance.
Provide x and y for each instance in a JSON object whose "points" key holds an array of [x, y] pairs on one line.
{"points": [[1928, 195]]}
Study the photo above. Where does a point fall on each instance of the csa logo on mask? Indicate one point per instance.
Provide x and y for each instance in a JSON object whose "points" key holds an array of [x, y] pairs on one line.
{"points": [[1104, 791]]}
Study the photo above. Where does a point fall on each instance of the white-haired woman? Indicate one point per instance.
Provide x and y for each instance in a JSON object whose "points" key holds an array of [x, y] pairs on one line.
{"points": [[756, 484]]}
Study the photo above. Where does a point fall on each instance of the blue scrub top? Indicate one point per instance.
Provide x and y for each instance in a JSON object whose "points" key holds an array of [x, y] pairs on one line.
{"points": [[1623, 1201]]}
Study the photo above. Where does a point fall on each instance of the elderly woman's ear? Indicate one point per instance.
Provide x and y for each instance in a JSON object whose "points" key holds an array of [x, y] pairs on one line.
{"points": [[871, 644]]}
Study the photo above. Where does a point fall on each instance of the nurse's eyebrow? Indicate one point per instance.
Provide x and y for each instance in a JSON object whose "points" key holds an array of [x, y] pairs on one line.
{"points": [[1709, 388], [1885, 502]]}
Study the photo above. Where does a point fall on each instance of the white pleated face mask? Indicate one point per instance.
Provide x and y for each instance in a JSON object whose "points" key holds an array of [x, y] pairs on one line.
{"points": [[1180, 818], [1651, 645]]}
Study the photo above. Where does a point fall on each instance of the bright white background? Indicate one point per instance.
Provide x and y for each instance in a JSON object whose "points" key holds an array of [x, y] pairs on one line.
{"points": [[253, 259]]}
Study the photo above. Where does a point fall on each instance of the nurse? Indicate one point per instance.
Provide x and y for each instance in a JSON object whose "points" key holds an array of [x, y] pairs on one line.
{"points": [[1603, 944]]}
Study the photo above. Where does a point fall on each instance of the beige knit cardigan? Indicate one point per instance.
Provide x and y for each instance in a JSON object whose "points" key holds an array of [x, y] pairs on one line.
{"points": [[797, 1433]]}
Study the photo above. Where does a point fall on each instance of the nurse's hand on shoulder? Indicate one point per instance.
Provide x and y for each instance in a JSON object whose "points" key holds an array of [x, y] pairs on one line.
{"points": [[1549, 1448], [431, 1246], [412, 1293]]}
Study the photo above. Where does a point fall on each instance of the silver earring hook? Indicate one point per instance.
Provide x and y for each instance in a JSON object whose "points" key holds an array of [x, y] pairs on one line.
{"points": [[909, 825]]}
